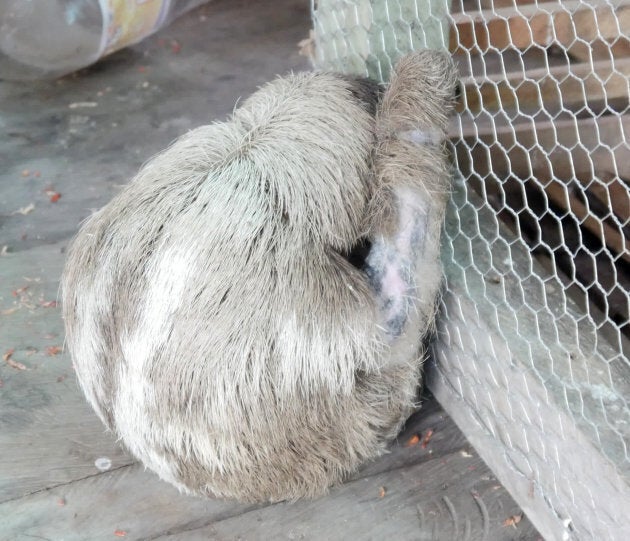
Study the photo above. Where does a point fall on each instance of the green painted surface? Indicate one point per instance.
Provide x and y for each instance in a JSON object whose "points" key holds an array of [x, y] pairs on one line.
{"points": [[366, 37]]}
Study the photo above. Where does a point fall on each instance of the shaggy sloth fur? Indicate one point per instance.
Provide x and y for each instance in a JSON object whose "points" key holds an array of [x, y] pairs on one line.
{"points": [[216, 322]]}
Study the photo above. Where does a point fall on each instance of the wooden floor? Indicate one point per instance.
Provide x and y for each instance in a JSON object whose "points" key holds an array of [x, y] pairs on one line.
{"points": [[61, 475]]}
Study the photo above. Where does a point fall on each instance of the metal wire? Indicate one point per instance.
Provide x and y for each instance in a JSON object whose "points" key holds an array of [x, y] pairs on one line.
{"points": [[536, 247]]}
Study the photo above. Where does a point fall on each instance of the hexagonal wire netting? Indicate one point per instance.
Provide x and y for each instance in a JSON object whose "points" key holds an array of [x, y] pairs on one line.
{"points": [[532, 346]]}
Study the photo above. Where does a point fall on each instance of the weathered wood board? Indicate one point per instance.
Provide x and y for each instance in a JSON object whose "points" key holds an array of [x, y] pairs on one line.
{"points": [[438, 490]]}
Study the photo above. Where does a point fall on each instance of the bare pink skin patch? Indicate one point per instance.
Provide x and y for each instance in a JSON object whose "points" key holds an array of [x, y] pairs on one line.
{"points": [[393, 260]]}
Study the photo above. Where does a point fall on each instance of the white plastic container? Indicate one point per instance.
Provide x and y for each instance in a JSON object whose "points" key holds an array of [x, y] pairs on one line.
{"points": [[50, 38]]}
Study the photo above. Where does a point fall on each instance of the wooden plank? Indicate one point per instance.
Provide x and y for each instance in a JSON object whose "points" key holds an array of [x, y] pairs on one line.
{"points": [[518, 366], [406, 505], [48, 433], [137, 502], [573, 25], [128, 500], [597, 86]]}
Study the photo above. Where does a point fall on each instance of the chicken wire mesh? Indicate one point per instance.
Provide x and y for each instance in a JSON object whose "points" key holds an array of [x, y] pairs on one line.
{"points": [[532, 344]]}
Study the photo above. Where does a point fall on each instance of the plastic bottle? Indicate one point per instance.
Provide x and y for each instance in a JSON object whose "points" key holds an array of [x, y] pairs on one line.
{"points": [[50, 38]]}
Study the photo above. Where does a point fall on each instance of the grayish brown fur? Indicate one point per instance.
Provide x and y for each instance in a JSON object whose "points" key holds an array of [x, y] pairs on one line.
{"points": [[215, 326]]}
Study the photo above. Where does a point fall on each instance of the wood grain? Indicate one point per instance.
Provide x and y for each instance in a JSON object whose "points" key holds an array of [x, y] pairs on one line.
{"points": [[431, 492], [410, 504], [573, 25], [48, 433], [541, 24], [593, 86]]}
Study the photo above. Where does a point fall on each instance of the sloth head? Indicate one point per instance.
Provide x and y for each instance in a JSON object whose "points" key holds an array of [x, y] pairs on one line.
{"points": [[284, 160]]}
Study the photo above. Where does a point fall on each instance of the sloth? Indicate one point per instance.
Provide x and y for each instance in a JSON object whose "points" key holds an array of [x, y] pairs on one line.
{"points": [[249, 314]]}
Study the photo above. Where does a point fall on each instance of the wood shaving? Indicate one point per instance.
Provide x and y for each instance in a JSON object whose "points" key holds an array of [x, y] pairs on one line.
{"points": [[427, 438], [17, 292], [13, 364], [51, 351], [381, 492], [307, 46], [512, 521], [24, 210], [9, 311], [414, 440], [120, 533], [53, 195], [82, 104]]}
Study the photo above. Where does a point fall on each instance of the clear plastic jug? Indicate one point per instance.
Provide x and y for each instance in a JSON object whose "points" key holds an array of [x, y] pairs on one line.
{"points": [[50, 38]]}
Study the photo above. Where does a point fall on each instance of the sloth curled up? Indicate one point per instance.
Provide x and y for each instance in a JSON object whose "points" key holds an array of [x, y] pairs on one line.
{"points": [[215, 317]]}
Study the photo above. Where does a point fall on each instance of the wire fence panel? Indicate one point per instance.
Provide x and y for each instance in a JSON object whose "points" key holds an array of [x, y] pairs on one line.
{"points": [[533, 339]]}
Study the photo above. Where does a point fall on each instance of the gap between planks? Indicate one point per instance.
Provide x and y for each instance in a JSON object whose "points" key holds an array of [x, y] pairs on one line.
{"points": [[67, 483]]}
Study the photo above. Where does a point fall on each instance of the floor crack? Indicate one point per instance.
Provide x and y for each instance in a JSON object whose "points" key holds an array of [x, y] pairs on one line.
{"points": [[46, 489]]}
